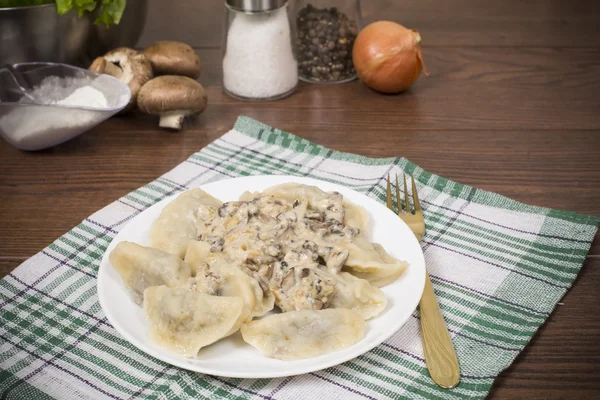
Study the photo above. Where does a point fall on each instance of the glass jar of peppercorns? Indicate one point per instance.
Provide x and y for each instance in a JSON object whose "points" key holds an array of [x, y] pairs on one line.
{"points": [[325, 33]]}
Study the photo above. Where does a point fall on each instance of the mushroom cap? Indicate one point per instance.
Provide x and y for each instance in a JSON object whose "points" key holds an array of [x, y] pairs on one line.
{"points": [[173, 58], [136, 69], [172, 93]]}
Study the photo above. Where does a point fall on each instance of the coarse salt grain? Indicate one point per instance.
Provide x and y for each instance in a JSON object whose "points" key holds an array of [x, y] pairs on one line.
{"points": [[259, 61]]}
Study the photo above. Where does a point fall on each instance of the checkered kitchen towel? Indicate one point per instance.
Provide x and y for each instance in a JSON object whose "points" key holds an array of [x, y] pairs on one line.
{"points": [[498, 267]]}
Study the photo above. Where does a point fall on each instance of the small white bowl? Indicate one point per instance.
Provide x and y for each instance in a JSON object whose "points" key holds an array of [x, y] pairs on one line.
{"points": [[29, 124]]}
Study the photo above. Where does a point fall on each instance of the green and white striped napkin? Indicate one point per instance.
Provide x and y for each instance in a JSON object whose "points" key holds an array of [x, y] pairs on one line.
{"points": [[498, 268]]}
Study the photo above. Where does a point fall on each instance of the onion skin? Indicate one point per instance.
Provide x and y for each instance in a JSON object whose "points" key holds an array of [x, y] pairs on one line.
{"points": [[387, 56]]}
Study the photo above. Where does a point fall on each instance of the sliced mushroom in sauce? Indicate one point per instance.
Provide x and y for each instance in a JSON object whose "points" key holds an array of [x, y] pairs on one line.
{"points": [[288, 246]]}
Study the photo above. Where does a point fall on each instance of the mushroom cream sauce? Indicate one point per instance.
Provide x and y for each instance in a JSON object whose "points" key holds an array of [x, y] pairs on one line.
{"points": [[292, 248]]}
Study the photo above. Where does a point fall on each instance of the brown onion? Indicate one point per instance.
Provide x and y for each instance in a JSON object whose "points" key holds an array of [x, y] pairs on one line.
{"points": [[387, 56]]}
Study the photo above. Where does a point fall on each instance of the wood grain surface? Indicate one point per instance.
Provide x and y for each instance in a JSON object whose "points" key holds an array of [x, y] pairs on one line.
{"points": [[456, 23], [511, 106]]}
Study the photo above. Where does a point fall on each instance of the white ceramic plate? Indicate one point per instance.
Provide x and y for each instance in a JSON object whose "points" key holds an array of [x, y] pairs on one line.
{"points": [[232, 357]]}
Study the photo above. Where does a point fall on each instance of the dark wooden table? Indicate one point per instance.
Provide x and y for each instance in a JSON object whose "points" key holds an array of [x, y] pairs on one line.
{"points": [[512, 106]]}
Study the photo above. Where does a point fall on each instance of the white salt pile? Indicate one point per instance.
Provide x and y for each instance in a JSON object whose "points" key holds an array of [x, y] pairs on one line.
{"points": [[55, 90], [34, 125], [259, 62], [86, 96]]}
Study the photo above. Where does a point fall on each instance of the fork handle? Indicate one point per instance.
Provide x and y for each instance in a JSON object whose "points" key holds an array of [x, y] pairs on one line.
{"points": [[440, 355]]}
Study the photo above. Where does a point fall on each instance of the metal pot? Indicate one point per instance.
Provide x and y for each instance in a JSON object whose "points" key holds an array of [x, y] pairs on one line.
{"points": [[38, 33]]}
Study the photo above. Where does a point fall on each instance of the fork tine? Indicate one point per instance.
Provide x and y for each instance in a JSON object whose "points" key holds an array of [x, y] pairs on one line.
{"points": [[406, 197], [398, 199], [389, 194], [415, 195]]}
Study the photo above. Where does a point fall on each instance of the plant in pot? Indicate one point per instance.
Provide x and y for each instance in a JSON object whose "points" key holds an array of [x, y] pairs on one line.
{"points": [[67, 31]]}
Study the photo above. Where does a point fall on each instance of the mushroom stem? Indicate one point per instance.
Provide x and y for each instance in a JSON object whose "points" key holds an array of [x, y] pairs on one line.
{"points": [[171, 119], [102, 66]]}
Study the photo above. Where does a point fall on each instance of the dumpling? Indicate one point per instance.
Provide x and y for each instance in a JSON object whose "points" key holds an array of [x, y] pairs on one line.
{"points": [[196, 254], [355, 216], [249, 196], [184, 321], [218, 277], [316, 288], [141, 267], [238, 283], [400, 266], [182, 220], [301, 288], [356, 294], [304, 334], [331, 204], [370, 261], [268, 205], [294, 191]]}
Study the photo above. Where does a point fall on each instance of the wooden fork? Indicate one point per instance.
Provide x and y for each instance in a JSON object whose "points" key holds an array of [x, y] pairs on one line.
{"points": [[440, 355]]}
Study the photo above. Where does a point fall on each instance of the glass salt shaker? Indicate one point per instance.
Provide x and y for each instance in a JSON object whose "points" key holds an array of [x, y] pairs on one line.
{"points": [[326, 30], [259, 59]]}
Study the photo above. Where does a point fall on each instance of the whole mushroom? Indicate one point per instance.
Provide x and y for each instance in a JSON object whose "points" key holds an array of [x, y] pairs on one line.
{"points": [[128, 65], [172, 98], [173, 58]]}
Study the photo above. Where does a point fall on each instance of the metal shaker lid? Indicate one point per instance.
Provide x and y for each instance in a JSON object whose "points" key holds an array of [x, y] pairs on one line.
{"points": [[255, 6]]}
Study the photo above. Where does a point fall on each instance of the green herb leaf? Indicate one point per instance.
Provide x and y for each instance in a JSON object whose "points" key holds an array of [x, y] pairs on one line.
{"points": [[111, 12], [64, 6], [84, 5]]}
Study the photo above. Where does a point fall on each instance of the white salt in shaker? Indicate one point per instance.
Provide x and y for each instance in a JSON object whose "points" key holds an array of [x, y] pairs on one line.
{"points": [[259, 61]]}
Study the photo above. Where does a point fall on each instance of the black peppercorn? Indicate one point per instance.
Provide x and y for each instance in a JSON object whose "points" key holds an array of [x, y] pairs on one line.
{"points": [[324, 42]]}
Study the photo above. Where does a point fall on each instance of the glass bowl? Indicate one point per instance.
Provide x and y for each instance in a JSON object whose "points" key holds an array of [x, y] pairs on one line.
{"points": [[29, 121]]}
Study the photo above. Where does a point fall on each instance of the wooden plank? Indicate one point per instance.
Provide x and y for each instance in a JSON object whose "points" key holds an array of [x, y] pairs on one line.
{"points": [[442, 23], [561, 361], [481, 122], [199, 23], [469, 89], [66, 184], [8, 265], [512, 23]]}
